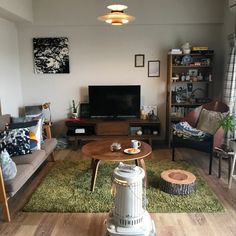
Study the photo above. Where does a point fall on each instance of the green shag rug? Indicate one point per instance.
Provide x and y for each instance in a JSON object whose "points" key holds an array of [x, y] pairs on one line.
{"points": [[66, 189]]}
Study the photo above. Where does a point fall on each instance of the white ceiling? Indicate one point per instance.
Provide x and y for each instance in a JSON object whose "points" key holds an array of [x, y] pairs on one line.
{"points": [[85, 12]]}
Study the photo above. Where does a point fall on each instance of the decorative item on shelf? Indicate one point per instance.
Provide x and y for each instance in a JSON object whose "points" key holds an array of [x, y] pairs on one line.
{"points": [[177, 61], [175, 51], [46, 107], [187, 77], [189, 87], [197, 63], [210, 78], [117, 16], [201, 50], [186, 60], [175, 77], [151, 115], [186, 48], [143, 115], [74, 112], [205, 62], [194, 94], [193, 74], [182, 77], [200, 77], [139, 132]]}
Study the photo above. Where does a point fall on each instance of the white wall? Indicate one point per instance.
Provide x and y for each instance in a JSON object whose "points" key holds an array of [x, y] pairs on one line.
{"points": [[16, 10], [10, 85], [101, 54]]}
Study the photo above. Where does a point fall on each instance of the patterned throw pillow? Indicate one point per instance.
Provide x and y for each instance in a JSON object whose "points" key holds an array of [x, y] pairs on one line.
{"points": [[35, 134], [15, 141], [185, 130], [9, 169], [209, 121]]}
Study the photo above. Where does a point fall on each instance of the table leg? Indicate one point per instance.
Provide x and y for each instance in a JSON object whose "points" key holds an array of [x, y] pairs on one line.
{"points": [[142, 164], [232, 170], [94, 173], [219, 167]]}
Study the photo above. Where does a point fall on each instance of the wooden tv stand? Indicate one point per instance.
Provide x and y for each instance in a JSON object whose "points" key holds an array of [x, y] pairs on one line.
{"points": [[100, 128]]}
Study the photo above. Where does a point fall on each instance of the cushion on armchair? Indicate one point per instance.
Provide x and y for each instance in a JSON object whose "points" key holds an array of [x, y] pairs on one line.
{"points": [[186, 131], [209, 121]]}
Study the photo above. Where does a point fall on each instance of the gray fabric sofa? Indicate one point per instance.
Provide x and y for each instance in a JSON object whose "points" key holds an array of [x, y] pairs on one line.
{"points": [[26, 166]]}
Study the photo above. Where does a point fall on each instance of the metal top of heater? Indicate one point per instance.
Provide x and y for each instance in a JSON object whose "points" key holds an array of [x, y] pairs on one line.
{"points": [[128, 173]]}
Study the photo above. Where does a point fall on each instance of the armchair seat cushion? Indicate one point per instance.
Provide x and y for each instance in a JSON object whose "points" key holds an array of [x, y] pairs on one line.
{"points": [[204, 146]]}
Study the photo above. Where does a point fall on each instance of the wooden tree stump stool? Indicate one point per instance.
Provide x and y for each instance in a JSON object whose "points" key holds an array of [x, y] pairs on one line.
{"points": [[178, 182]]}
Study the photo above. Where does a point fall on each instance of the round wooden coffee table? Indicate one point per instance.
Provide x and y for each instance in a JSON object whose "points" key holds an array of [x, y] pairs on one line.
{"points": [[100, 151]]}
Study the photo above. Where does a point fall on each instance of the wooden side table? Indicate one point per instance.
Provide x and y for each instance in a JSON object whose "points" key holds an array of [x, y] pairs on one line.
{"points": [[231, 156], [100, 151]]}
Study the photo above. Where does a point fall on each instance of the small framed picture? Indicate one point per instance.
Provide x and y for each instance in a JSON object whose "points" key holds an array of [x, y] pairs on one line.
{"points": [[139, 60], [154, 68], [193, 72]]}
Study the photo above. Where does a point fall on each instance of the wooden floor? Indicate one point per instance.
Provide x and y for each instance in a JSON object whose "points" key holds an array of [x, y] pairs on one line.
{"points": [[84, 224]]}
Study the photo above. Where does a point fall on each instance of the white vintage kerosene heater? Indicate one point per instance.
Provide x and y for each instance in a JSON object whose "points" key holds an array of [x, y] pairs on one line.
{"points": [[129, 216]]}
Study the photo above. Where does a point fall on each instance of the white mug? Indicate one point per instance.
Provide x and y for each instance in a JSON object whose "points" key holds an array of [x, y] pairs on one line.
{"points": [[135, 144]]}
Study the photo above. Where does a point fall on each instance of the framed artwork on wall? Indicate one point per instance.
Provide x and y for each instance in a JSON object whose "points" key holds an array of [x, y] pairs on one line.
{"points": [[154, 68], [51, 55], [139, 60]]}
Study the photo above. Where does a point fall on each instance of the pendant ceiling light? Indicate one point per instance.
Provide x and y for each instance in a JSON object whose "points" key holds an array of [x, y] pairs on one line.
{"points": [[117, 15]]}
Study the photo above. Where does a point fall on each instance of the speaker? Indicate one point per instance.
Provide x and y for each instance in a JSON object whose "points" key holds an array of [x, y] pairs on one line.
{"points": [[84, 110]]}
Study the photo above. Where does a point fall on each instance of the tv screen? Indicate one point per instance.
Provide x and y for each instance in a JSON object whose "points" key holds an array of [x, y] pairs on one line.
{"points": [[114, 101]]}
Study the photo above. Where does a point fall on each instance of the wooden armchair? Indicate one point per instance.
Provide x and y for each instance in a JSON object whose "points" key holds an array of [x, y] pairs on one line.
{"points": [[215, 140]]}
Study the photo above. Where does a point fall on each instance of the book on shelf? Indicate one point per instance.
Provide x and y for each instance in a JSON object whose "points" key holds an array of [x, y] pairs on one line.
{"points": [[199, 48], [176, 51]]}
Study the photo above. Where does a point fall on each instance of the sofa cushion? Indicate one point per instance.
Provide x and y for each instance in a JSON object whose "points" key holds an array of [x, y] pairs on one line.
{"points": [[35, 128], [34, 158], [49, 145], [4, 119], [24, 172], [16, 141]]}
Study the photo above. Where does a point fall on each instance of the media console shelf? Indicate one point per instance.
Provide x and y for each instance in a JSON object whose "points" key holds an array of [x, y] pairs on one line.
{"points": [[93, 129]]}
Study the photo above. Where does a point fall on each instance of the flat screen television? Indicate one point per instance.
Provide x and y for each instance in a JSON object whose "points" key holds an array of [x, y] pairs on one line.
{"points": [[114, 100]]}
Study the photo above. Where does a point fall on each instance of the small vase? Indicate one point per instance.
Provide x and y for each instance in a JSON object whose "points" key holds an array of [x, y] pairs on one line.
{"points": [[74, 115]]}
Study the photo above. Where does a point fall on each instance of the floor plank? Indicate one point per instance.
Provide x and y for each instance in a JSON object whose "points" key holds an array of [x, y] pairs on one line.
{"points": [[90, 224]]}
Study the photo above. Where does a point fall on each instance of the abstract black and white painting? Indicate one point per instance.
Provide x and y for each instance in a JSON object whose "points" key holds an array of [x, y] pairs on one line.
{"points": [[51, 55]]}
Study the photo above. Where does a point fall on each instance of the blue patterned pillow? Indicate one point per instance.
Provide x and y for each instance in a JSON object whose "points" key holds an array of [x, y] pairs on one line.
{"points": [[15, 141], [9, 169], [185, 130]]}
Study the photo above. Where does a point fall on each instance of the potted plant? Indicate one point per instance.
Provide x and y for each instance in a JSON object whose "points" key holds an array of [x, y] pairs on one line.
{"points": [[74, 109], [228, 123]]}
